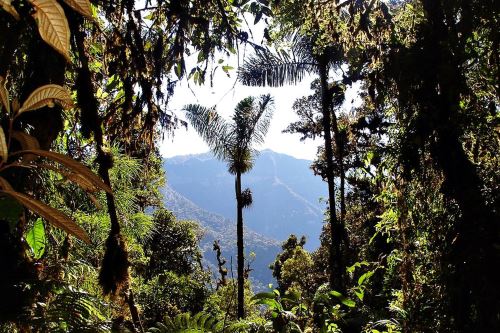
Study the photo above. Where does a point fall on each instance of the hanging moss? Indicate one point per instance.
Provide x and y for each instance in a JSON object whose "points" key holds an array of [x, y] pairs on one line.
{"points": [[114, 275]]}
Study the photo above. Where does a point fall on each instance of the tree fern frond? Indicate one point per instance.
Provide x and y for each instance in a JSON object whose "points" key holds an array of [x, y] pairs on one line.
{"points": [[185, 323], [73, 311]]}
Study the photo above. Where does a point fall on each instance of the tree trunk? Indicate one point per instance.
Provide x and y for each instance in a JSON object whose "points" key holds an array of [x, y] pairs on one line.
{"points": [[339, 143], [335, 256], [114, 273], [239, 244]]}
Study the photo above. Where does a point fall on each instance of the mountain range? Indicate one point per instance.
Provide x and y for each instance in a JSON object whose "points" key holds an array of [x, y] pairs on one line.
{"points": [[286, 200]]}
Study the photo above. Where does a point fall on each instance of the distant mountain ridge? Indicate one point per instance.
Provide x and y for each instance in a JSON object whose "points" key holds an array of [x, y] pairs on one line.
{"points": [[285, 192]]}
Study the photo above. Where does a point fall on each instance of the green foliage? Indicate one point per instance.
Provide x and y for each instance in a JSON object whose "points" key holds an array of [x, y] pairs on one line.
{"points": [[36, 239], [171, 294], [71, 310], [221, 304], [184, 323], [284, 311], [173, 245], [416, 154], [199, 323], [294, 268]]}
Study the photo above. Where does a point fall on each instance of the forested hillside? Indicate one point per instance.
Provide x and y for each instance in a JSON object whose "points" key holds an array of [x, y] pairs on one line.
{"points": [[262, 250], [404, 107]]}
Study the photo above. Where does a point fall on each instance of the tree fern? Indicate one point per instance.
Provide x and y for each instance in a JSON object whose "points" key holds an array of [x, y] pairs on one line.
{"points": [[203, 323], [71, 310], [185, 323]]}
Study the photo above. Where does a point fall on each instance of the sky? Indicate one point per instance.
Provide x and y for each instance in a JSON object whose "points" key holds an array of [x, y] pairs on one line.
{"points": [[225, 95]]}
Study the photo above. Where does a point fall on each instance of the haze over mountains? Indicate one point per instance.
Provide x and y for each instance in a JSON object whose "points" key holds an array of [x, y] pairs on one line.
{"points": [[285, 201], [285, 192]]}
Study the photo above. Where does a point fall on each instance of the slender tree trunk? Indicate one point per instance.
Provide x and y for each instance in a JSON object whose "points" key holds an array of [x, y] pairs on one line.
{"points": [[239, 244], [339, 143], [335, 256], [134, 312], [114, 270]]}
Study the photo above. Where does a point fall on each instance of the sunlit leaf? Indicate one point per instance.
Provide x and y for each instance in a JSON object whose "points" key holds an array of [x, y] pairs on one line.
{"points": [[4, 153], [6, 5], [81, 6], [344, 300], [71, 164], [35, 237], [4, 95], [51, 215], [53, 25], [47, 95], [364, 277], [263, 295]]}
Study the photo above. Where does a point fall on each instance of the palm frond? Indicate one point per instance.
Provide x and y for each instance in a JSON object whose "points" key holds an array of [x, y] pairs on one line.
{"points": [[251, 120], [211, 127], [262, 118], [265, 68]]}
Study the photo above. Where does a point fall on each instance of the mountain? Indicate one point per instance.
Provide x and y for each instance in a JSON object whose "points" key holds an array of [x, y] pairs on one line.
{"points": [[285, 193], [217, 227]]}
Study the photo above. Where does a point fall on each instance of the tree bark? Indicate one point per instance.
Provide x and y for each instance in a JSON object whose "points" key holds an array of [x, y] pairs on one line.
{"points": [[240, 246], [335, 256], [339, 143]]}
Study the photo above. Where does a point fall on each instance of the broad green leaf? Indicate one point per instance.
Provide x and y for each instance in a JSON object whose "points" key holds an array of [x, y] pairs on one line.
{"points": [[35, 237], [178, 70], [359, 292], [344, 300], [364, 277], [273, 304], [263, 295], [358, 264], [201, 57]]}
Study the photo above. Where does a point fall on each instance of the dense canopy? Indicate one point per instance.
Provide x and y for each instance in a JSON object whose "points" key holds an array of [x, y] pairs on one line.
{"points": [[411, 233]]}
